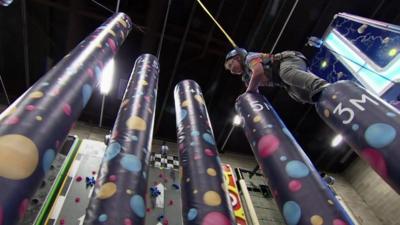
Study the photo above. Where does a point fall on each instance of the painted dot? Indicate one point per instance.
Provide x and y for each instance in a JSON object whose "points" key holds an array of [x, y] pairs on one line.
{"points": [[270, 126], [334, 96], [113, 150], [185, 103], [195, 133], [23, 207], [208, 138], [297, 169], [19, 153], [326, 113], [67, 109], [112, 178], [316, 220], [129, 191], [12, 120], [137, 205], [86, 93], [291, 212], [77, 199], [188, 179], [283, 158], [107, 190], [39, 118], [62, 221], [295, 185], [143, 82], [355, 127], [195, 191], [131, 162], [48, 159], [192, 214], [257, 119], [78, 178], [30, 107], [211, 172], [391, 114], [128, 221], [199, 99], [209, 152], [134, 138], [212, 198], [136, 123], [373, 135], [330, 202], [36, 94], [103, 218], [216, 218], [267, 145], [376, 160], [338, 222]]}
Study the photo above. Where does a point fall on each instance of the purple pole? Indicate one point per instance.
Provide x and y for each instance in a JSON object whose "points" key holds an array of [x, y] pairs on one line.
{"points": [[204, 197], [302, 197], [121, 187], [367, 123], [5, 2], [33, 129]]}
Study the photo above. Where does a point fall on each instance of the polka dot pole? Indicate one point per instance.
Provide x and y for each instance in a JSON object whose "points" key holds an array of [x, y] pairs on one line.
{"points": [[367, 123], [302, 197], [33, 129], [5, 2], [204, 198], [120, 190]]}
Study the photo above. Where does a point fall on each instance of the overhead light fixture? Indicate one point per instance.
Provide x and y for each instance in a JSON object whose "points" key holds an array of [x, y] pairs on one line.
{"points": [[336, 140], [107, 77], [236, 120]]}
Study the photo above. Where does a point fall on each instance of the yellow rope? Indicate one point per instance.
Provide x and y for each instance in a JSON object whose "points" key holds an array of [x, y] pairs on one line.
{"points": [[219, 26]]}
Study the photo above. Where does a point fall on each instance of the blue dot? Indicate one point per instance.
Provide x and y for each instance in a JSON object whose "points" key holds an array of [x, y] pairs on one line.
{"points": [[137, 205], [134, 138], [208, 138], [291, 212], [391, 114], [48, 159], [45, 84], [355, 127], [103, 217], [112, 150], [192, 214], [195, 133], [283, 158], [131, 162], [182, 115], [270, 126], [86, 93], [379, 135], [253, 143], [98, 72], [297, 169], [192, 143]]}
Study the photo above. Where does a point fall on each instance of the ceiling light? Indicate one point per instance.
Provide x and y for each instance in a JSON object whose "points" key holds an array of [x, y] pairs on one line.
{"points": [[107, 77], [336, 140], [237, 120]]}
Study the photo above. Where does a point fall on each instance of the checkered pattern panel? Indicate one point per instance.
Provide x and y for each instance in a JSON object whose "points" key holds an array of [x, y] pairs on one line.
{"points": [[165, 162]]}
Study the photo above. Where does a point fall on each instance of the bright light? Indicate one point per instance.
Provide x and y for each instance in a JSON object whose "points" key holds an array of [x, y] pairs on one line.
{"points": [[324, 64], [336, 140], [236, 120], [107, 77]]}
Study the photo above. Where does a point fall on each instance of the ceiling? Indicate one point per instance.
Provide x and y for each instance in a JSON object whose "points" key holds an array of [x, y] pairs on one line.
{"points": [[193, 48]]}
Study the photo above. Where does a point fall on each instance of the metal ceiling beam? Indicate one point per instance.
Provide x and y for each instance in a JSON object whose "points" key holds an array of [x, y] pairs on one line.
{"points": [[25, 43]]}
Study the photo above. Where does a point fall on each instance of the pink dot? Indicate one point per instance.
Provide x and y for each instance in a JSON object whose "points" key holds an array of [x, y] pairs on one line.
{"points": [[67, 109], [376, 160], [77, 199], [267, 145], [114, 134], [57, 143], [171, 202], [127, 221], [55, 92], [147, 98], [148, 210], [62, 221], [12, 120], [338, 222], [197, 156], [215, 218], [112, 178], [112, 44], [30, 107], [295, 185], [78, 178], [1, 216], [22, 208], [209, 152], [89, 72], [93, 172]]}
